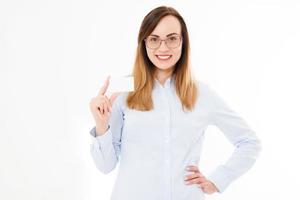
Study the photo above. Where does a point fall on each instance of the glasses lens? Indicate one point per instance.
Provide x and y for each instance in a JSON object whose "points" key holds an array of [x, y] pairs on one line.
{"points": [[173, 41], [153, 42]]}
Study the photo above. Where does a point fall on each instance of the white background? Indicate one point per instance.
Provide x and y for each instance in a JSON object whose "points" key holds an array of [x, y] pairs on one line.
{"points": [[55, 55]]}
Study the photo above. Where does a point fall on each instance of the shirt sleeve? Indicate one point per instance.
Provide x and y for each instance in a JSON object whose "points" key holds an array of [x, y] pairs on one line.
{"points": [[237, 131], [105, 149]]}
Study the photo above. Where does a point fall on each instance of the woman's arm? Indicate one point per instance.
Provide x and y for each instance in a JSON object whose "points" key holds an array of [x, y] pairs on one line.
{"points": [[105, 149], [237, 131]]}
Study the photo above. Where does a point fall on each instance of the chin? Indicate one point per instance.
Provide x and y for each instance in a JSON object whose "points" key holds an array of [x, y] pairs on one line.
{"points": [[163, 67]]}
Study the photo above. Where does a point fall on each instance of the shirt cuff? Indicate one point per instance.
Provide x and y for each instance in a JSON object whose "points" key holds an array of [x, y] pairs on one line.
{"points": [[102, 139], [220, 178]]}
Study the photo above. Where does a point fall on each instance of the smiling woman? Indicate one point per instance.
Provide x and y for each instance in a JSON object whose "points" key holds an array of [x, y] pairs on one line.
{"points": [[165, 54], [163, 51], [157, 131]]}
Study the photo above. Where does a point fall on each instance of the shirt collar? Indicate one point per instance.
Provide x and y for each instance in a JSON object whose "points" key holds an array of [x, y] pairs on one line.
{"points": [[169, 81]]}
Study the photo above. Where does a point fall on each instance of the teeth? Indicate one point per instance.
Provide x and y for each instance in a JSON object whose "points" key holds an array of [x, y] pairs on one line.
{"points": [[164, 57]]}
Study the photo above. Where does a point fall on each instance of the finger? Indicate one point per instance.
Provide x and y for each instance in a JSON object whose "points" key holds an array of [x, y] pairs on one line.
{"points": [[194, 169], [105, 108], [201, 180], [107, 102], [101, 102], [108, 113], [104, 87], [98, 103], [195, 175], [113, 97], [192, 176], [197, 180], [101, 109]]}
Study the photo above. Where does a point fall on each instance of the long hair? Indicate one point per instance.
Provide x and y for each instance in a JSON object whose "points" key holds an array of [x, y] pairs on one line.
{"points": [[143, 70]]}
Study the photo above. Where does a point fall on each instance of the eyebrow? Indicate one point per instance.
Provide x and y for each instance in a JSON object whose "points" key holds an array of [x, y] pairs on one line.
{"points": [[167, 35]]}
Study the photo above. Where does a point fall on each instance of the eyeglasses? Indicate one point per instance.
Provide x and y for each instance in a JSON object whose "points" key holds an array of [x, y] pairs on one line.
{"points": [[154, 42]]}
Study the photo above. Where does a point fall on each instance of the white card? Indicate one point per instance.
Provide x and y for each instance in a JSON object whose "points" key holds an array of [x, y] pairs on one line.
{"points": [[121, 84]]}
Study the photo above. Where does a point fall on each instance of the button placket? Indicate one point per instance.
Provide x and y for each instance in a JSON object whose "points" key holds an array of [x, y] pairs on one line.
{"points": [[167, 152]]}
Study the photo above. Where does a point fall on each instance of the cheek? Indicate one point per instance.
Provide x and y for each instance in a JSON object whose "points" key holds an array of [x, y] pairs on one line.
{"points": [[177, 55], [150, 54]]}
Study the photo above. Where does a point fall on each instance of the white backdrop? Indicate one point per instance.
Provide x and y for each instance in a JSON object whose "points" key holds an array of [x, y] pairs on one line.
{"points": [[55, 55]]}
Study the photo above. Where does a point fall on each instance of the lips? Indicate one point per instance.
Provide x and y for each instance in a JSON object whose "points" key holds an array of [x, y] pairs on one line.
{"points": [[163, 57]]}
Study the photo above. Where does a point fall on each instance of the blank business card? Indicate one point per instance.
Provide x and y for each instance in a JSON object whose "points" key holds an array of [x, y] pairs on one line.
{"points": [[121, 84]]}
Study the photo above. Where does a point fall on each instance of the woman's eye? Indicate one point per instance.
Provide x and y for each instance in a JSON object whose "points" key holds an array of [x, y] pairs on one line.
{"points": [[153, 39], [172, 38]]}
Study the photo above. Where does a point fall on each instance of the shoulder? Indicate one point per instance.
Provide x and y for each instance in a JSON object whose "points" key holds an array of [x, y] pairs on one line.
{"points": [[121, 99], [207, 93], [204, 88]]}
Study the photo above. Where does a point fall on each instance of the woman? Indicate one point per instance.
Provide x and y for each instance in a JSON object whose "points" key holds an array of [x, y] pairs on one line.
{"points": [[156, 131]]}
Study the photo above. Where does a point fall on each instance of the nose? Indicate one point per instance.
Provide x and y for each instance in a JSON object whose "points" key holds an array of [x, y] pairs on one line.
{"points": [[163, 46]]}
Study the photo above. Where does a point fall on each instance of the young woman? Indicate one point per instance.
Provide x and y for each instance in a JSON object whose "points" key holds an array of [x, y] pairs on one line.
{"points": [[156, 131]]}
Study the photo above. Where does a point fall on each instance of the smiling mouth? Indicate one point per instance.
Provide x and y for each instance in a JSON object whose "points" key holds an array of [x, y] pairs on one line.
{"points": [[163, 57]]}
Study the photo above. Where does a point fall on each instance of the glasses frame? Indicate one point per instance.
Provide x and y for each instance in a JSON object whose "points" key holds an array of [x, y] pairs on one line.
{"points": [[160, 41]]}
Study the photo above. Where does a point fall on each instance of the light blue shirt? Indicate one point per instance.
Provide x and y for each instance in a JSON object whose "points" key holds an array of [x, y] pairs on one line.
{"points": [[153, 148]]}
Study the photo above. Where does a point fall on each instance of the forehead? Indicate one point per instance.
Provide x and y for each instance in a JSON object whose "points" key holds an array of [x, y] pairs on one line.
{"points": [[168, 24]]}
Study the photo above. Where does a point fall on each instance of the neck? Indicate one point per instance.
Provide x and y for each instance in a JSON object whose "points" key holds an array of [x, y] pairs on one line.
{"points": [[162, 75]]}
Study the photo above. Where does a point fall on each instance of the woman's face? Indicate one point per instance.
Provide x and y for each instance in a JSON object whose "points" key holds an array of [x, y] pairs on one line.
{"points": [[164, 57]]}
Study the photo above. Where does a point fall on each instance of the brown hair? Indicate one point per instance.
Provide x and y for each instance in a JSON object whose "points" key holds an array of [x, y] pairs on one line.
{"points": [[143, 71]]}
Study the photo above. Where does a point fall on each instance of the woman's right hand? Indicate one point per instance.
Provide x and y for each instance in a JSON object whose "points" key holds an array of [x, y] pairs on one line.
{"points": [[101, 108]]}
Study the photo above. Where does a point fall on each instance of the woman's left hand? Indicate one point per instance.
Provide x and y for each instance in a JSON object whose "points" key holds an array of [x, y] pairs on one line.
{"points": [[198, 178]]}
